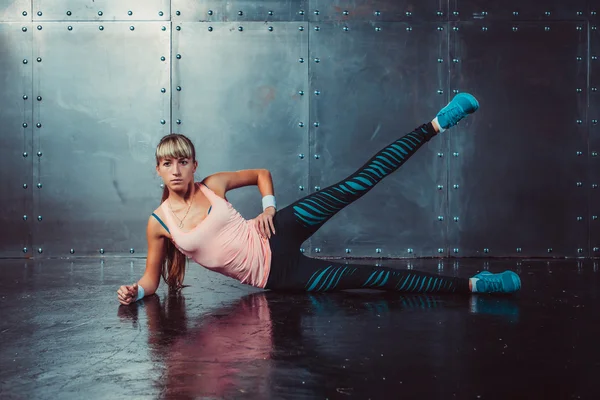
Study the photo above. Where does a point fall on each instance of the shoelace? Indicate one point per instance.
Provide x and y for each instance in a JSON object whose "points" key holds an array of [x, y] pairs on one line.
{"points": [[454, 113], [494, 284]]}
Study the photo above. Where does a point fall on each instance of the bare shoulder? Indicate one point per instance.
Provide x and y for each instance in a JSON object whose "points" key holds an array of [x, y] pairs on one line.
{"points": [[217, 183], [155, 228]]}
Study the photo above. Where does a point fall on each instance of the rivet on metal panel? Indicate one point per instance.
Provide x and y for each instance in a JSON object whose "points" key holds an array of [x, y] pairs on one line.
{"points": [[486, 250], [580, 250], [440, 14], [440, 218], [346, 12], [69, 13], [25, 61], [160, 13], [270, 12], [579, 90], [101, 251], [594, 58], [440, 28], [39, 185], [518, 250], [39, 13], [594, 186], [456, 219], [579, 184], [346, 28], [301, 124], [178, 56], [25, 125], [163, 90], [210, 12], [162, 121], [317, 12], [178, 12], [24, 13], [550, 250], [132, 251], [39, 27], [38, 125], [301, 60], [455, 60], [72, 251], [178, 122], [25, 97], [39, 98], [240, 28], [301, 156], [317, 92], [317, 28], [39, 153], [579, 122], [101, 27], [300, 187], [240, 13], [440, 91], [596, 249], [594, 89], [594, 154], [440, 155], [131, 28], [410, 251], [317, 250], [455, 28], [377, 250], [301, 92], [24, 29], [24, 217], [456, 186], [317, 156], [179, 88], [579, 153], [178, 28], [594, 217], [408, 14], [579, 28], [377, 13], [316, 124], [516, 13], [440, 250], [129, 12], [300, 28], [348, 251], [24, 186], [455, 91], [317, 188], [70, 28], [440, 60], [440, 187], [547, 28], [162, 58], [270, 29], [39, 218], [39, 59], [455, 154], [593, 13], [40, 250], [579, 13], [547, 13], [301, 12], [456, 250], [484, 28], [409, 28], [579, 218], [25, 154], [302, 250]]}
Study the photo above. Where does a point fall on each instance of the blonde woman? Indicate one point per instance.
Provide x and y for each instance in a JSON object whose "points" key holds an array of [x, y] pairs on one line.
{"points": [[195, 220]]}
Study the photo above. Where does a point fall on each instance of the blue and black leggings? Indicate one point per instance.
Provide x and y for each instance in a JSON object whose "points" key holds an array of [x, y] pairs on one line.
{"points": [[292, 270]]}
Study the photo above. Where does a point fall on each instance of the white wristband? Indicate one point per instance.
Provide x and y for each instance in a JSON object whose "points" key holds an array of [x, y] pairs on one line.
{"points": [[141, 293], [268, 201]]}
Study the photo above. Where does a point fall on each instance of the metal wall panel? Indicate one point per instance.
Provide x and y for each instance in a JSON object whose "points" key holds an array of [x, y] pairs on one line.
{"points": [[378, 10], [15, 10], [239, 10], [240, 95], [101, 10], [539, 10], [520, 162], [15, 139], [594, 140], [377, 82], [97, 121]]}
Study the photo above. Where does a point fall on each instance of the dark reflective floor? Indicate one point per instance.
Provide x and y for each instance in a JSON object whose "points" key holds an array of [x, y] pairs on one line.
{"points": [[64, 335]]}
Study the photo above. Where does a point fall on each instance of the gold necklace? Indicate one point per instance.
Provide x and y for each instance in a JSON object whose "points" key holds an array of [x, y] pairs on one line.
{"points": [[188, 210]]}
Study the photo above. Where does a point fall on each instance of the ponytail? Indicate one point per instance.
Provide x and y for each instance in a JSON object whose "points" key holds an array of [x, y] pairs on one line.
{"points": [[173, 268]]}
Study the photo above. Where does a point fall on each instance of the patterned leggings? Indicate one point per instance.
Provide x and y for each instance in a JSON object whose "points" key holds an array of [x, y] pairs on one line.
{"points": [[292, 270]]}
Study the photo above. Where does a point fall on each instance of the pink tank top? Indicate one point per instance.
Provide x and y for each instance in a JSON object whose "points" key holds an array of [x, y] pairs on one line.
{"points": [[224, 242]]}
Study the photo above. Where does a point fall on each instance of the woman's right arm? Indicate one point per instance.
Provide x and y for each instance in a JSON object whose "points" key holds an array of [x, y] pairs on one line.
{"points": [[156, 256]]}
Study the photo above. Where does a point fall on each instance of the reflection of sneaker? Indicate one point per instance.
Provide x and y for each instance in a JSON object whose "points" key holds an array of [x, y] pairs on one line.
{"points": [[487, 305], [505, 282], [461, 105]]}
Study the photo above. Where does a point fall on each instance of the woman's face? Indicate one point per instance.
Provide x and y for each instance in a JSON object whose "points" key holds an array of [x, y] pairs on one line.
{"points": [[177, 174]]}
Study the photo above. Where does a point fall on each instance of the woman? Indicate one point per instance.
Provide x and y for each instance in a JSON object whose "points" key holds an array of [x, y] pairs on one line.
{"points": [[195, 220]]}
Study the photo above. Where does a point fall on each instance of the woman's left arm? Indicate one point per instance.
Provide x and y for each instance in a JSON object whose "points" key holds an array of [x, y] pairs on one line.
{"points": [[223, 182]]}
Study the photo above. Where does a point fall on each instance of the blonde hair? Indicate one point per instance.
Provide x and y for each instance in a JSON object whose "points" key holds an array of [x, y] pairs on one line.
{"points": [[173, 268]]}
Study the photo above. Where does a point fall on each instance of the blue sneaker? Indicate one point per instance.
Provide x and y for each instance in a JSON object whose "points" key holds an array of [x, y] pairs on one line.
{"points": [[505, 282], [461, 105]]}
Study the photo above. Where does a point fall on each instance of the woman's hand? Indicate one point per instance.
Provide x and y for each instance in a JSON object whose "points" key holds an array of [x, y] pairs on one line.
{"points": [[264, 222], [127, 294]]}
